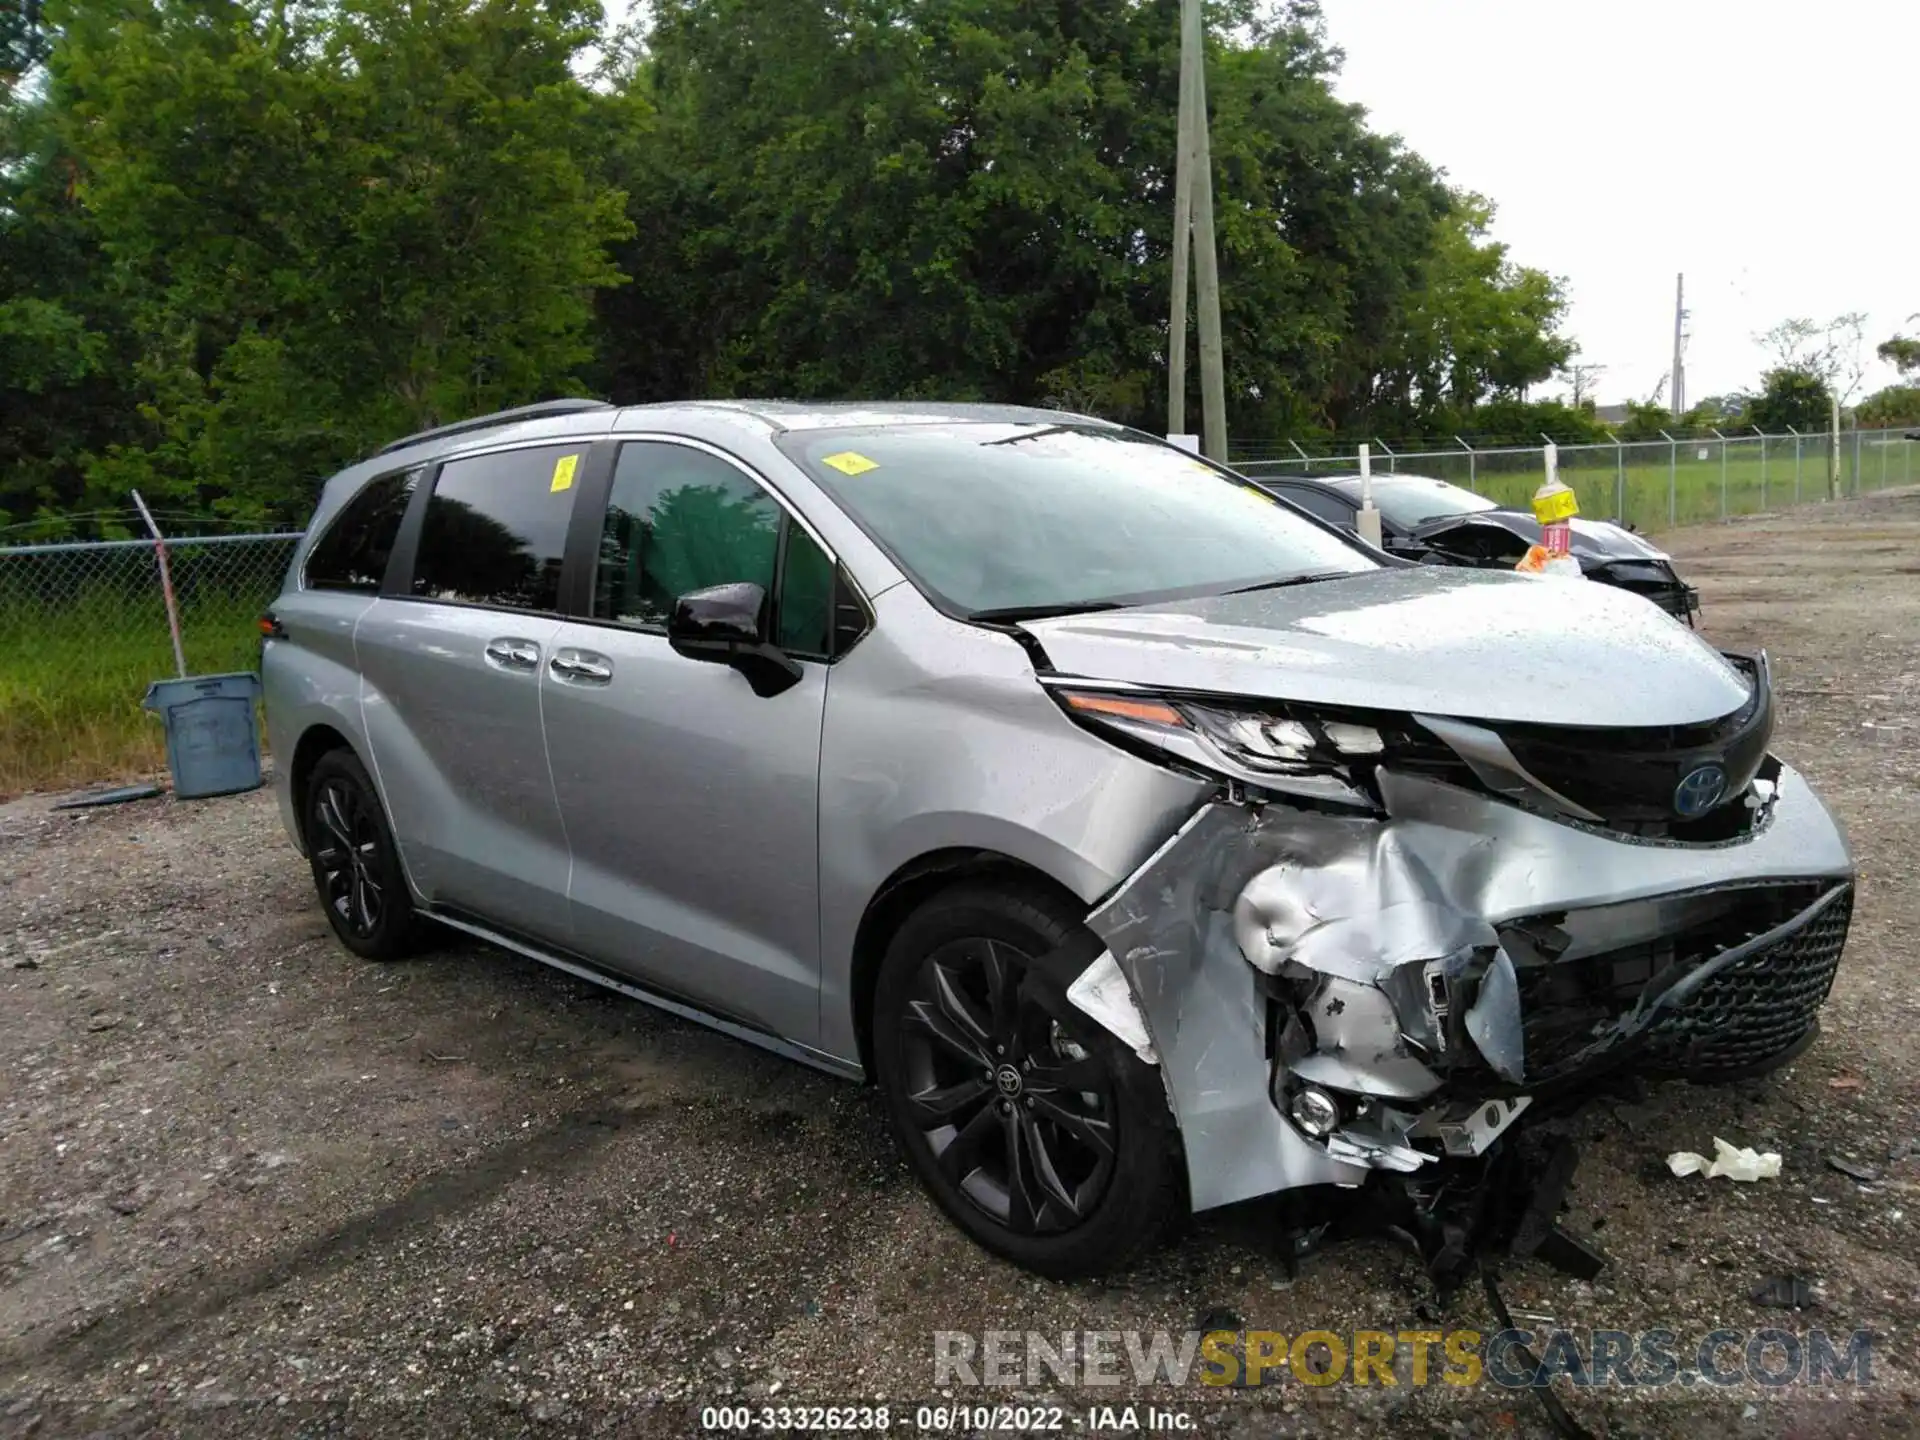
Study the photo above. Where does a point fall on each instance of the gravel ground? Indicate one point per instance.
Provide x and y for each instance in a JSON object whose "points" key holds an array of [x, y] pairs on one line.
{"points": [[250, 1185]]}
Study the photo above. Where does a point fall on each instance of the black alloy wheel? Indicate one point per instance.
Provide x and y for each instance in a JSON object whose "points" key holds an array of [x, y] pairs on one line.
{"points": [[356, 868], [347, 857], [1017, 1113], [1038, 1132]]}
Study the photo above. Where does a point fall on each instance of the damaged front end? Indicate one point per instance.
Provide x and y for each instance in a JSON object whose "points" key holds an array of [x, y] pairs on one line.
{"points": [[1393, 938], [1608, 553]]}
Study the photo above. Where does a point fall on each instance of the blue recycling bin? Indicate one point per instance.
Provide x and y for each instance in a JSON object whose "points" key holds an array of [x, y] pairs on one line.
{"points": [[213, 739]]}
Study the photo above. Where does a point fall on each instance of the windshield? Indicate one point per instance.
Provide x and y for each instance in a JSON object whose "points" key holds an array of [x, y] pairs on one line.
{"points": [[1407, 500], [998, 517]]}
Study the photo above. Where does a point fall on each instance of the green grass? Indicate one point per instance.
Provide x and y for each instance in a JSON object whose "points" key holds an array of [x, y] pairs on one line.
{"points": [[72, 678], [1701, 489]]}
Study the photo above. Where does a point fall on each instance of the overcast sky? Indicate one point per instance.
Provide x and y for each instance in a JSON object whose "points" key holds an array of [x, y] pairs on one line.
{"points": [[1764, 147]]}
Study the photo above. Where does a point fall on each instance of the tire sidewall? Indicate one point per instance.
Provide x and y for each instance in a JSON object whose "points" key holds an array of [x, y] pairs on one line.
{"points": [[391, 938], [1146, 1144]]}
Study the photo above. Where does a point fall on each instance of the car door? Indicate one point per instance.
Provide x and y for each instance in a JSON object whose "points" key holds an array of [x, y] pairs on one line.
{"points": [[691, 802], [451, 657]]}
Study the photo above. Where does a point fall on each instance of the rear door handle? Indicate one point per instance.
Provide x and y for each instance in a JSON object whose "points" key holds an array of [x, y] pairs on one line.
{"points": [[513, 654], [581, 667]]}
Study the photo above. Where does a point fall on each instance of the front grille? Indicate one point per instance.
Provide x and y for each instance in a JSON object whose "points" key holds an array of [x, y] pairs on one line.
{"points": [[1628, 777], [1754, 1013]]}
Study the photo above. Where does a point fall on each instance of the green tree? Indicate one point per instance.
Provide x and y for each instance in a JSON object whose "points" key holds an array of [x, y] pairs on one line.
{"points": [[1790, 397], [1902, 353], [65, 343], [1894, 406], [339, 220]]}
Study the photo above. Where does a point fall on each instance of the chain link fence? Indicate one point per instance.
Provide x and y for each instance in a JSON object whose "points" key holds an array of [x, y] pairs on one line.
{"points": [[1649, 484], [83, 629]]}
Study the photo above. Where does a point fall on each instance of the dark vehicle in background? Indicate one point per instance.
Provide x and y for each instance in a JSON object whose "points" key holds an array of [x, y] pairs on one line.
{"points": [[1441, 524]]}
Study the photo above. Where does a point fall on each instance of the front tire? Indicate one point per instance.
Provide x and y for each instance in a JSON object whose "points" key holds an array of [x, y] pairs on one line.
{"points": [[356, 865], [1042, 1135]]}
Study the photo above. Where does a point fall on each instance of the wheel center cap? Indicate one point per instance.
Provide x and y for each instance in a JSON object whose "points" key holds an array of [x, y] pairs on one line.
{"points": [[1007, 1080]]}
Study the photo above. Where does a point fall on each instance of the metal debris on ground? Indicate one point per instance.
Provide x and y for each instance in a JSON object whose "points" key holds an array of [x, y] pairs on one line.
{"points": [[1865, 1174], [119, 795], [1733, 1161]]}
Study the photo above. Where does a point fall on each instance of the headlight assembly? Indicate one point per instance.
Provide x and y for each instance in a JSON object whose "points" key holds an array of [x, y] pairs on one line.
{"points": [[1286, 749]]}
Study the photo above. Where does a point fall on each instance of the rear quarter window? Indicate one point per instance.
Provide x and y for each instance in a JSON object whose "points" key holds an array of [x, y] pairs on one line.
{"points": [[353, 553]]}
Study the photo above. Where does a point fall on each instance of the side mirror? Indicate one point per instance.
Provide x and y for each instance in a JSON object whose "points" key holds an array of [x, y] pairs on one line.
{"points": [[727, 625]]}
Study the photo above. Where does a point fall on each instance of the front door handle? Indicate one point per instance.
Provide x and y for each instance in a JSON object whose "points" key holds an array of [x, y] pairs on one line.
{"points": [[582, 667], [512, 654]]}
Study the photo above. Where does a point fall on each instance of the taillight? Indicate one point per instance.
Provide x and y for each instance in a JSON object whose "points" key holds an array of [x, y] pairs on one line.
{"points": [[271, 628]]}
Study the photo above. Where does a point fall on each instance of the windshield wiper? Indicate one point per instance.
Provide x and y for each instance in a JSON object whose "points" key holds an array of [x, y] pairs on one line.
{"points": [[1013, 614], [1287, 580], [1044, 430]]}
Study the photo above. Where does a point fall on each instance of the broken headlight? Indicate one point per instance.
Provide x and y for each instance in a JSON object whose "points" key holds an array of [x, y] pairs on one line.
{"points": [[1288, 749]]}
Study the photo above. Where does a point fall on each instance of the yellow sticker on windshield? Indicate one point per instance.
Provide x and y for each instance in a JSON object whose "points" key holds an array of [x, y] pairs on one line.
{"points": [[563, 469], [851, 462]]}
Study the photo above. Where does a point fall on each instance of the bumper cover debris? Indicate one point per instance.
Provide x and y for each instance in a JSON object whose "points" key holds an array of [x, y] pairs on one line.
{"points": [[1433, 971]]}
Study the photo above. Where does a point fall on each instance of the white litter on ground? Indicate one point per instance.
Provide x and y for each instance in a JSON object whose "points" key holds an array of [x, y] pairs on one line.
{"points": [[1732, 1161]]}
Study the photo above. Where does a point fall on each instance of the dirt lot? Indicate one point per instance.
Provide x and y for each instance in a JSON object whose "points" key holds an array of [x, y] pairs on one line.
{"points": [[248, 1184]]}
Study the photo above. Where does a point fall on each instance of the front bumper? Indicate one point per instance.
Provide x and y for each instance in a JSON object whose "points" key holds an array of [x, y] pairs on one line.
{"points": [[1436, 970]]}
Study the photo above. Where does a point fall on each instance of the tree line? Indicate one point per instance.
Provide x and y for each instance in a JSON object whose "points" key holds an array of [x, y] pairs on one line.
{"points": [[245, 242]]}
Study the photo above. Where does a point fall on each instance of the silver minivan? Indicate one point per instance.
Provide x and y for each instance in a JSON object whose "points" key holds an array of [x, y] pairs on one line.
{"points": [[1150, 844]]}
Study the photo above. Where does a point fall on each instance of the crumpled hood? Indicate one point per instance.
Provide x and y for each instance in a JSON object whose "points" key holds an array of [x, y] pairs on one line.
{"points": [[1597, 540], [1478, 644]]}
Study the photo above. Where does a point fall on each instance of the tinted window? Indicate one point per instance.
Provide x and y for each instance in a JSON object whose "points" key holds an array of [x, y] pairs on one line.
{"points": [[1318, 502], [496, 528], [1406, 500], [352, 555], [989, 516], [679, 519], [804, 615]]}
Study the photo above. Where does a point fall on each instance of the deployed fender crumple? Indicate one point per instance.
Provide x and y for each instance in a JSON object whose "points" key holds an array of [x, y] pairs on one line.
{"points": [[1460, 919]]}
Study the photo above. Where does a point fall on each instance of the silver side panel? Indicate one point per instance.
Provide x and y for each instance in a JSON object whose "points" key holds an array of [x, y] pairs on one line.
{"points": [[938, 738], [462, 761], [310, 678]]}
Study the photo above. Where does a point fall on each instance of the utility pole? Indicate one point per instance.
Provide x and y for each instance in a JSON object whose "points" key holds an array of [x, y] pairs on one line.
{"points": [[1193, 210], [1182, 238], [1679, 347]]}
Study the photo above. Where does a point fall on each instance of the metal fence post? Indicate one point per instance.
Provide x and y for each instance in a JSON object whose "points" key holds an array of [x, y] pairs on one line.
{"points": [[1796, 463], [1298, 451], [1723, 472], [1619, 482], [1391, 457], [1856, 463], [1673, 476], [1472, 478], [1883, 459], [1763, 465]]}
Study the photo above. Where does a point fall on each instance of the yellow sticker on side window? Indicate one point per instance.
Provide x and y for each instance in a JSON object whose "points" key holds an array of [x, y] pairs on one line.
{"points": [[563, 469], [851, 462]]}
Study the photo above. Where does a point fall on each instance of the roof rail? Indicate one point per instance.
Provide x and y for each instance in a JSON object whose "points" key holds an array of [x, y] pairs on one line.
{"points": [[540, 410]]}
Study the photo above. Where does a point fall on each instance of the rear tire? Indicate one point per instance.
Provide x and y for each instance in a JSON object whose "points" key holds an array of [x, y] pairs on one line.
{"points": [[1042, 1135], [356, 865]]}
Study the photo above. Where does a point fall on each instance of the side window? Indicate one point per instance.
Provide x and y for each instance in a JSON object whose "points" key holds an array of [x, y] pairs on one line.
{"points": [[352, 555], [805, 612], [496, 528], [679, 519], [1330, 508]]}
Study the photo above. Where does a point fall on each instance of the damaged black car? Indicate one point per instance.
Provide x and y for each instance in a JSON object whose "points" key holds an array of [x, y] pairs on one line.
{"points": [[1438, 523]]}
